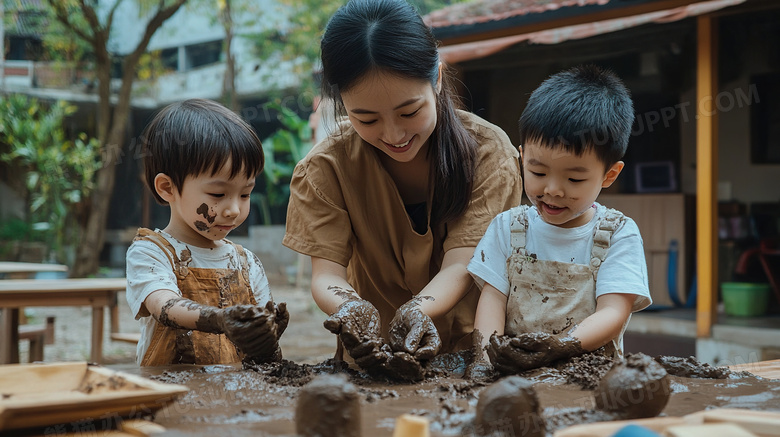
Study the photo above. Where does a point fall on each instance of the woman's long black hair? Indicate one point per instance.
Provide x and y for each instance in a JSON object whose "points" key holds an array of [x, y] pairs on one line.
{"points": [[365, 36]]}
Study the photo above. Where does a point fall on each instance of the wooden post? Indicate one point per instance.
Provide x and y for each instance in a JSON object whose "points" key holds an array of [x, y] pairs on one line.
{"points": [[706, 175], [96, 356], [9, 353]]}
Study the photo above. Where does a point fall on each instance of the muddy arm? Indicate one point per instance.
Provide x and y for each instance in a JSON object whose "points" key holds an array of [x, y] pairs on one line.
{"points": [[254, 329], [329, 286], [612, 311], [491, 316], [449, 286], [352, 318], [174, 311]]}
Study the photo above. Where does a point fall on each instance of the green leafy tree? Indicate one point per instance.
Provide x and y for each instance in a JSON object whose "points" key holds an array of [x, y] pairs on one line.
{"points": [[233, 16], [59, 172], [84, 20], [297, 40], [282, 149]]}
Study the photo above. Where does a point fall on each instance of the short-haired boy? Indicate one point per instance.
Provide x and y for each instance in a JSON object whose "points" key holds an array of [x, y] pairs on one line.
{"points": [[561, 277], [200, 298]]}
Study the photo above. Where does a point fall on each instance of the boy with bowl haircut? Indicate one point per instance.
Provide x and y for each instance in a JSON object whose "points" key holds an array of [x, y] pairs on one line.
{"points": [[562, 276], [200, 298]]}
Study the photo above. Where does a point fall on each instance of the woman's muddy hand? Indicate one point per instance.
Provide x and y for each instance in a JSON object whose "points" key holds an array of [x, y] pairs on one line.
{"points": [[413, 332], [356, 322]]}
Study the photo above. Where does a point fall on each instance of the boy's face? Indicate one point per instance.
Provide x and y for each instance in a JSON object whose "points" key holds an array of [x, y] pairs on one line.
{"points": [[208, 207], [563, 186]]}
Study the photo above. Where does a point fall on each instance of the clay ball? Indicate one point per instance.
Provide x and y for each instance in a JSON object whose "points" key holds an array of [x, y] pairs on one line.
{"points": [[635, 388], [328, 406], [509, 400]]}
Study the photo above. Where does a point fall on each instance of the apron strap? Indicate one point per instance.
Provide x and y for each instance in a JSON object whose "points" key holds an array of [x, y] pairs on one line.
{"points": [[602, 237], [149, 235], [243, 261], [518, 227]]}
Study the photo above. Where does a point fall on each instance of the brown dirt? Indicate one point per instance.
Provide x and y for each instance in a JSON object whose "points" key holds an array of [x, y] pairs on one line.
{"points": [[261, 400]]}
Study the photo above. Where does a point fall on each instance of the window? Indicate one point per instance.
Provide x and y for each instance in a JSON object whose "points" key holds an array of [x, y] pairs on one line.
{"points": [[202, 54], [765, 119]]}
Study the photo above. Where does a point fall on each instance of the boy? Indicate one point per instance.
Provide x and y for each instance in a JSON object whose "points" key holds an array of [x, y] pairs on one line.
{"points": [[562, 276], [200, 298]]}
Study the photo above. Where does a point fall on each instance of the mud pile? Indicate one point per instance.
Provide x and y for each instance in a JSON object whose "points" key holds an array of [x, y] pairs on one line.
{"points": [[243, 401]]}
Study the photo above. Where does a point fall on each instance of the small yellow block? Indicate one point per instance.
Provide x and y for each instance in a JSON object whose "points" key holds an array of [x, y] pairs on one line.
{"points": [[409, 425], [710, 430]]}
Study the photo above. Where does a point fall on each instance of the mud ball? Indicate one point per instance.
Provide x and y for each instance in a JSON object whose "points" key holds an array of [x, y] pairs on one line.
{"points": [[328, 406], [634, 388], [511, 400]]}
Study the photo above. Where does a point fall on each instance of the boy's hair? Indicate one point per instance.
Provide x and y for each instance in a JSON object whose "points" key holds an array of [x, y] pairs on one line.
{"points": [[197, 136], [583, 108]]}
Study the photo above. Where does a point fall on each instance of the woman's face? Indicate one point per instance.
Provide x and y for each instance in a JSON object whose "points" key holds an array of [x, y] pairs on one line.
{"points": [[394, 114]]}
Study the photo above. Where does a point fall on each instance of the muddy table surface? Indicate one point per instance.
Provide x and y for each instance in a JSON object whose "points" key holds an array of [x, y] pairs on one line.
{"points": [[261, 401]]}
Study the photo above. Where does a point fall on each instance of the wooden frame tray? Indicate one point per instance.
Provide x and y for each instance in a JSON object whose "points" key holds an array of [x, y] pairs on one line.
{"points": [[38, 395]]}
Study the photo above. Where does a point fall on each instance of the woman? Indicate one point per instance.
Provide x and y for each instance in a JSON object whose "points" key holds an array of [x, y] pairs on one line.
{"points": [[391, 205]]}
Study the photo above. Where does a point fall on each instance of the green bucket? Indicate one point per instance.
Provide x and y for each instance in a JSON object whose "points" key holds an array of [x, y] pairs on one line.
{"points": [[745, 299]]}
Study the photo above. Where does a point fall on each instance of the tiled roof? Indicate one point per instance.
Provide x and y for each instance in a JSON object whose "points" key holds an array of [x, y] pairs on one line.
{"points": [[481, 11]]}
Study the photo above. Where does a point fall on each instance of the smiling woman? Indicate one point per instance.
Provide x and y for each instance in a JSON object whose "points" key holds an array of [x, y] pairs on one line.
{"points": [[391, 205]]}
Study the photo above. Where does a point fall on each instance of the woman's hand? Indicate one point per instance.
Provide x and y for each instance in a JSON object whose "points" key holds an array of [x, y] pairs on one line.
{"points": [[413, 332], [356, 322]]}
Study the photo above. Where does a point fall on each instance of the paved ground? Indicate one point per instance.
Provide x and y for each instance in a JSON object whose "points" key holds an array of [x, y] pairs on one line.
{"points": [[305, 340]]}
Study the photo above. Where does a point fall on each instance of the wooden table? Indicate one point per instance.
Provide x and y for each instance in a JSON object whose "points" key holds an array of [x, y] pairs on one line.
{"points": [[15, 293], [19, 270]]}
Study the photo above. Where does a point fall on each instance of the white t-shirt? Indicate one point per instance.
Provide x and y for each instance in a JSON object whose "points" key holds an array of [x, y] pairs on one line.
{"points": [[149, 269], [624, 269]]}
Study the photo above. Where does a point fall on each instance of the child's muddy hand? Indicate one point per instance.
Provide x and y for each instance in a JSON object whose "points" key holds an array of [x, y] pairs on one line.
{"points": [[282, 318], [554, 347], [413, 332], [529, 351], [509, 357], [254, 330]]}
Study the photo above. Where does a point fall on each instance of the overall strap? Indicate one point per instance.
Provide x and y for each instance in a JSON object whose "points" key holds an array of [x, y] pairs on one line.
{"points": [[518, 227], [242, 260], [167, 248], [602, 237]]}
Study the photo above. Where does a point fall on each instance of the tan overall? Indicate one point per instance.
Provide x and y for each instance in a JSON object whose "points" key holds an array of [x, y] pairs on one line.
{"points": [[214, 287], [553, 296]]}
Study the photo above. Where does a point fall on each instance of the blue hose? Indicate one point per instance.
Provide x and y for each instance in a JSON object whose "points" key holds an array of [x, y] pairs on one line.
{"points": [[671, 279], [671, 273]]}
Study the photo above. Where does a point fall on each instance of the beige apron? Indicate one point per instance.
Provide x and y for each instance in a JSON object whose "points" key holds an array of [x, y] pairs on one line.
{"points": [[213, 287], [553, 296]]}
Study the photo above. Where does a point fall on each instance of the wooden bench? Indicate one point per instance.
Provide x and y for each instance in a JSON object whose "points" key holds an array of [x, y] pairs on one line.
{"points": [[38, 335], [97, 293], [130, 337]]}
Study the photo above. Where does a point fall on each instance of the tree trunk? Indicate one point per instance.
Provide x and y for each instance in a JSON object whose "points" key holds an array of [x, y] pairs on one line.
{"points": [[111, 132], [229, 83]]}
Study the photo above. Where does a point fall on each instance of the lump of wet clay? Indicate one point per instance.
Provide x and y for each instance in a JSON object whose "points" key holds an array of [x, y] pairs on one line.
{"points": [[328, 406], [691, 368], [511, 400], [635, 388]]}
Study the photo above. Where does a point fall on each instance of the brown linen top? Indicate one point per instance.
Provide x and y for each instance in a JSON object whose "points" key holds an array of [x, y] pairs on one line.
{"points": [[344, 207]]}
